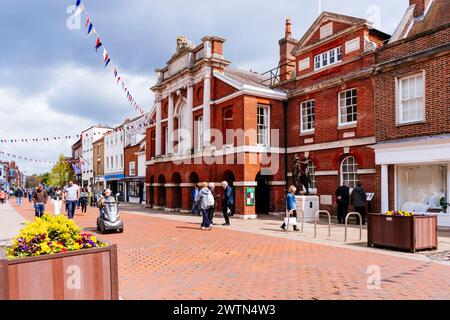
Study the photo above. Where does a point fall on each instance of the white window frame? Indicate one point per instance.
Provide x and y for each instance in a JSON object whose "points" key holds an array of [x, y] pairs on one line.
{"points": [[400, 101], [340, 107], [266, 142], [355, 172], [325, 56], [132, 167], [166, 140], [302, 116]]}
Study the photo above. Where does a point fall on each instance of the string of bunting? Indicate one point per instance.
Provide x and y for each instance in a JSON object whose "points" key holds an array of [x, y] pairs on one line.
{"points": [[89, 25], [14, 156]]}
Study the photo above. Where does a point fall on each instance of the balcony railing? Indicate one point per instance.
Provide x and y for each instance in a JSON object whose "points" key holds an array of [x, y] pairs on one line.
{"points": [[274, 76]]}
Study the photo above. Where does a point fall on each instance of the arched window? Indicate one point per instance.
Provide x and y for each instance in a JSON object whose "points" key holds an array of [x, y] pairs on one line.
{"points": [[349, 172], [312, 174]]}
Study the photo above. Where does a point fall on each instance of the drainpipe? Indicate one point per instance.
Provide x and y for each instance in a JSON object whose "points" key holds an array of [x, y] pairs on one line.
{"points": [[285, 107]]}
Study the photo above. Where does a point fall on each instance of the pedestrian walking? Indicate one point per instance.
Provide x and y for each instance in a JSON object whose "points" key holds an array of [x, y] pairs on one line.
{"points": [[227, 202], [291, 206], [30, 195], [40, 198], [195, 204], [19, 195], [212, 210], [206, 202], [71, 197], [57, 199], [358, 199], [84, 196], [2, 196], [342, 200]]}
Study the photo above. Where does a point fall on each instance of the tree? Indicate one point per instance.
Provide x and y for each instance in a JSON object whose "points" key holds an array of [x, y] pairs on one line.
{"points": [[61, 173]]}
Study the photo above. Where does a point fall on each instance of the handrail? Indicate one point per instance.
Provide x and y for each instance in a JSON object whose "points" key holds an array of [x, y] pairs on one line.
{"points": [[315, 222], [360, 224]]}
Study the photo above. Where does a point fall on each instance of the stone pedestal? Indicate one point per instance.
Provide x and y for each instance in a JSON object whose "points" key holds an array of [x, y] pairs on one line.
{"points": [[309, 205]]}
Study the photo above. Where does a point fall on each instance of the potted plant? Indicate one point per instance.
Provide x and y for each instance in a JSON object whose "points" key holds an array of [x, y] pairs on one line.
{"points": [[402, 230], [51, 259]]}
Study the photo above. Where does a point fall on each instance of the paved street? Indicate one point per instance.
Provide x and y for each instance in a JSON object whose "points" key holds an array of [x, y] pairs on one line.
{"points": [[170, 258]]}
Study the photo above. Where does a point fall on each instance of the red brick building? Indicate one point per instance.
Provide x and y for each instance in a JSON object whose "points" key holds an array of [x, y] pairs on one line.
{"points": [[412, 101], [214, 123], [330, 116]]}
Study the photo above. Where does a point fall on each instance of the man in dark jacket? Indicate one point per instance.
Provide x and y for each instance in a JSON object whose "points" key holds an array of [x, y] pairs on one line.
{"points": [[358, 199], [227, 202], [343, 200], [19, 195]]}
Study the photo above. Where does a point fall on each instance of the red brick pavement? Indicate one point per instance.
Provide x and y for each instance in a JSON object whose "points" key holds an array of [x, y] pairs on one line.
{"points": [[164, 259]]}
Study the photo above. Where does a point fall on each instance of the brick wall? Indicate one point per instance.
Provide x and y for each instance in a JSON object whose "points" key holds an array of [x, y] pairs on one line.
{"points": [[130, 156]]}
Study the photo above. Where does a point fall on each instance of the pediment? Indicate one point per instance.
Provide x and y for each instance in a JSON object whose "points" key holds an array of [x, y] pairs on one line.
{"points": [[325, 26]]}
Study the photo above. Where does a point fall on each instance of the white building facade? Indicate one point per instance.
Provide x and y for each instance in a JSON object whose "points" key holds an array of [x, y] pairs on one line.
{"points": [[88, 137], [114, 160]]}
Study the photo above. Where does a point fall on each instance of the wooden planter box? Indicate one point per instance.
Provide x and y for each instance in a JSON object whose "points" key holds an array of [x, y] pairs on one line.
{"points": [[402, 233], [89, 274]]}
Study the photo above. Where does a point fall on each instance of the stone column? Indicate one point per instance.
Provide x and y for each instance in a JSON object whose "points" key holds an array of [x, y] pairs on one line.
{"points": [[190, 117], [170, 116], [384, 188], [158, 127], [207, 110]]}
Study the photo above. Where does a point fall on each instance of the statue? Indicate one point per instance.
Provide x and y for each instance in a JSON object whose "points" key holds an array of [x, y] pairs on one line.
{"points": [[183, 43], [300, 173]]}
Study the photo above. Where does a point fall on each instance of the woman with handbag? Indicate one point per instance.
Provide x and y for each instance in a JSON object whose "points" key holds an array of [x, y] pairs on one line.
{"points": [[291, 206]]}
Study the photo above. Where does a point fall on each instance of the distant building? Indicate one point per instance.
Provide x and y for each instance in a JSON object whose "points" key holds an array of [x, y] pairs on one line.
{"points": [[99, 165], [114, 159], [88, 137], [77, 151], [135, 172]]}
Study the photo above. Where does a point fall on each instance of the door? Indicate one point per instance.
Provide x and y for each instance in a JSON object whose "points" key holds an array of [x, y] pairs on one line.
{"points": [[262, 195]]}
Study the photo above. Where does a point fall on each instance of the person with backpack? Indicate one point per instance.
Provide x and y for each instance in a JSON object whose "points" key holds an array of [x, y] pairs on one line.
{"points": [[206, 200]]}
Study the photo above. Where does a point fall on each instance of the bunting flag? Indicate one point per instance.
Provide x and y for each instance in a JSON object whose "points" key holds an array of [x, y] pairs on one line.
{"points": [[106, 58], [14, 156], [98, 44]]}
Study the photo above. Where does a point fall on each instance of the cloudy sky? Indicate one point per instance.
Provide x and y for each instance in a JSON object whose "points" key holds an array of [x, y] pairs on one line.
{"points": [[53, 83]]}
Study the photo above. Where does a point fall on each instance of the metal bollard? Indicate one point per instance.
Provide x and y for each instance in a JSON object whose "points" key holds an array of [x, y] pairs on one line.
{"points": [[360, 224], [315, 222]]}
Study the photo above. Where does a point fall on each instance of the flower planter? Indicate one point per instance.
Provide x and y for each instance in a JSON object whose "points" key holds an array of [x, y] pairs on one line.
{"points": [[89, 274], [403, 233]]}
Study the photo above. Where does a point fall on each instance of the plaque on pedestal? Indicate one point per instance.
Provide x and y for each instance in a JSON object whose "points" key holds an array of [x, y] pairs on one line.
{"points": [[309, 205]]}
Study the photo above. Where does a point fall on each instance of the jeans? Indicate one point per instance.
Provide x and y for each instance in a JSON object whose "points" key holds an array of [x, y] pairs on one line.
{"points": [[225, 214], [71, 206], [206, 223], [19, 201], [39, 209], [195, 208]]}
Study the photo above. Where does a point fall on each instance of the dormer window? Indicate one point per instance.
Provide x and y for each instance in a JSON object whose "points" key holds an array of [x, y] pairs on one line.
{"points": [[327, 58]]}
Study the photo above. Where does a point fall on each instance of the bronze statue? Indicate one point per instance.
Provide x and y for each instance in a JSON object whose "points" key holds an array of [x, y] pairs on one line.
{"points": [[300, 173]]}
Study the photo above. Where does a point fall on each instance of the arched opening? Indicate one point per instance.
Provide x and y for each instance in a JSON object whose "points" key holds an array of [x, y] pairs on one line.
{"points": [[176, 194], [161, 191], [262, 194]]}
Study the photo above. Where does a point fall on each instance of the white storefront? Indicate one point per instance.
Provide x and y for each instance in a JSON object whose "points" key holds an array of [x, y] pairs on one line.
{"points": [[421, 175], [90, 136]]}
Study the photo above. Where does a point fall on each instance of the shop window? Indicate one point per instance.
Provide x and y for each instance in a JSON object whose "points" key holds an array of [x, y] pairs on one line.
{"points": [[421, 188], [133, 189]]}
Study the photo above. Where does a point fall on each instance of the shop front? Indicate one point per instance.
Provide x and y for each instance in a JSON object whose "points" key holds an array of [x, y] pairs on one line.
{"points": [[415, 176], [116, 183], [135, 190]]}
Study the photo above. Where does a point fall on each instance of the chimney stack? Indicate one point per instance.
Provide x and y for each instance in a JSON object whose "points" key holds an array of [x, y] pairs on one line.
{"points": [[287, 44], [420, 7]]}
